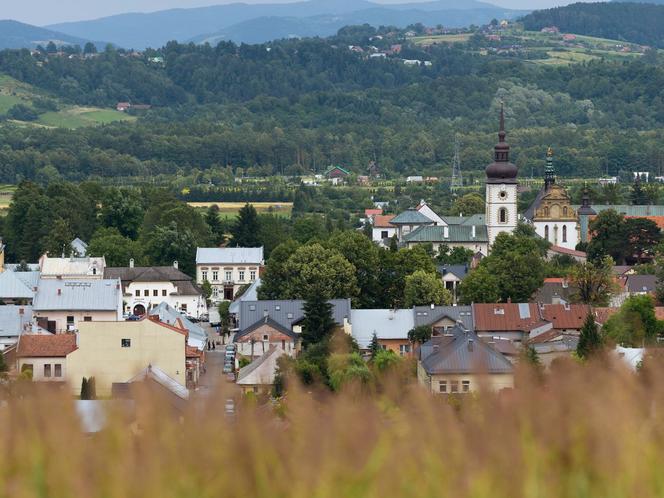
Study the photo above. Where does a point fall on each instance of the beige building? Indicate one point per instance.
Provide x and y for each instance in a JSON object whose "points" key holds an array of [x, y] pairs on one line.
{"points": [[459, 362], [44, 356], [113, 352], [62, 305], [228, 269]]}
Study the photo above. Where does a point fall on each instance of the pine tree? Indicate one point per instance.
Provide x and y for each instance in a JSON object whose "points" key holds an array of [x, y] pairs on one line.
{"points": [[590, 340], [246, 228], [92, 388], [85, 391], [216, 227], [374, 347], [318, 322], [394, 243]]}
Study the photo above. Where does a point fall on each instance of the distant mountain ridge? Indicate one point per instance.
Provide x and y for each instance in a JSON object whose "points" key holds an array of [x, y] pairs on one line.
{"points": [[641, 23], [304, 18], [14, 34]]}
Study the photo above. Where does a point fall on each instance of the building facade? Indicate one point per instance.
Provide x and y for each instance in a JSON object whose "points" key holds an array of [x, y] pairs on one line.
{"points": [[228, 269]]}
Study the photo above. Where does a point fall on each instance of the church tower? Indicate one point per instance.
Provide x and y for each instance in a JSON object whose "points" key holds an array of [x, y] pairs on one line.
{"points": [[501, 188]]}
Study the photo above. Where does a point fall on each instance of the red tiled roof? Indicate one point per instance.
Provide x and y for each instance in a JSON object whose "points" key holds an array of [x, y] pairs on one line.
{"points": [[373, 212], [547, 336], [505, 317], [383, 221], [46, 346], [603, 314], [554, 280], [659, 312], [192, 352], [565, 317], [570, 252]]}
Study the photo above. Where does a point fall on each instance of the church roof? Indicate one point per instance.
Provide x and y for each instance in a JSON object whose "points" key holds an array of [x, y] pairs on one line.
{"points": [[410, 217], [455, 233], [529, 214]]}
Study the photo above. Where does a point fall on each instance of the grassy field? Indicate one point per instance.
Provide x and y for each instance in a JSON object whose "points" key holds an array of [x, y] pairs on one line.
{"points": [[437, 39], [77, 117], [230, 209]]}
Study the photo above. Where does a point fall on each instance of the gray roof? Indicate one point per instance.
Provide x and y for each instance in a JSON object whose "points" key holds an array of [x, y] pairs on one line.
{"points": [[410, 217], [529, 213], [386, 323], [18, 285], [15, 266], [286, 312], [182, 281], [553, 290], [475, 219], [251, 294], [629, 210], [459, 271], [12, 321], [229, 255], [266, 320], [456, 233], [426, 315], [80, 247], [462, 351], [84, 295], [262, 370], [641, 283], [168, 314]]}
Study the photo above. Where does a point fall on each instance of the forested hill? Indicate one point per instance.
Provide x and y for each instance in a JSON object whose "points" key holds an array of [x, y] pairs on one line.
{"points": [[634, 22]]}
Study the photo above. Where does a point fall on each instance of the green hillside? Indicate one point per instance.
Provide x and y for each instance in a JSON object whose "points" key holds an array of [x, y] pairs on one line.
{"points": [[49, 111]]}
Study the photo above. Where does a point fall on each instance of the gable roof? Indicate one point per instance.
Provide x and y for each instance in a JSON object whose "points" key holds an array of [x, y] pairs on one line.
{"points": [[455, 234], [330, 169], [251, 294], [287, 312], [46, 346], [170, 316], [84, 295], [71, 267], [564, 316], [386, 323], [260, 371], [554, 288], [18, 285], [410, 217], [506, 317], [182, 281], [641, 283], [160, 377], [80, 247], [462, 351], [270, 323], [383, 221], [229, 255], [459, 271], [426, 315]]}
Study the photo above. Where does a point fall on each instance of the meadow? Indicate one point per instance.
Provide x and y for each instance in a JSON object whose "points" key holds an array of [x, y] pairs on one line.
{"points": [[231, 209], [583, 431]]}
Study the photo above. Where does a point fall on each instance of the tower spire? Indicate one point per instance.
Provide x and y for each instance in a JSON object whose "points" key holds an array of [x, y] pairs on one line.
{"points": [[501, 133], [549, 172]]}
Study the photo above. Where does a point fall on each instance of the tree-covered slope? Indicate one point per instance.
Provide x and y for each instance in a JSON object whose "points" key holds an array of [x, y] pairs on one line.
{"points": [[635, 22]]}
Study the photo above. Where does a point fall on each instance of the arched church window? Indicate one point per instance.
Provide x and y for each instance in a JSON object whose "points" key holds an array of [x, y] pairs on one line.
{"points": [[565, 232], [564, 210], [502, 215], [546, 211], [546, 232]]}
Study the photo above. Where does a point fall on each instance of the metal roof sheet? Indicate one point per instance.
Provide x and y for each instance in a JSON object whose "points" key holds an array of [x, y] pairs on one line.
{"points": [[455, 233], [12, 320], [386, 323], [410, 216], [84, 295], [286, 312], [18, 285], [229, 255], [426, 315]]}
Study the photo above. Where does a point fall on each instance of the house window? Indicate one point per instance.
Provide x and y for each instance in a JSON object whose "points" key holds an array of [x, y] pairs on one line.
{"points": [[252, 307], [215, 291], [126, 343], [183, 307], [283, 344], [289, 316], [502, 215], [266, 337], [442, 386], [465, 386], [58, 370], [70, 320], [241, 275], [564, 233], [252, 275], [277, 308], [138, 293], [47, 370], [146, 292], [229, 276], [404, 349], [87, 318], [163, 292], [215, 275], [383, 234], [155, 292], [204, 275], [454, 386], [546, 232]]}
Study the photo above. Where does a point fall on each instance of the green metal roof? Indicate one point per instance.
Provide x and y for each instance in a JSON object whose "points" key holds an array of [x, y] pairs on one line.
{"points": [[410, 217], [456, 234], [476, 219], [332, 168], [629, 210]]}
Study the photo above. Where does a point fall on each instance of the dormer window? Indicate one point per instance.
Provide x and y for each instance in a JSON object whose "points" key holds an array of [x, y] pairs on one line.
{"points": [[498, 311]]}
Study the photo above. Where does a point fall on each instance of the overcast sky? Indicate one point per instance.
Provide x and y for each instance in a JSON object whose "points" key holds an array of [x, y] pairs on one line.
{"points": [[42, 12]]}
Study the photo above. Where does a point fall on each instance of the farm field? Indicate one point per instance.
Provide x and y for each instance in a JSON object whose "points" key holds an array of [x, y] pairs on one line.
{"points": [[426, 41], [231, 209], [77, 117], [6, 194]]}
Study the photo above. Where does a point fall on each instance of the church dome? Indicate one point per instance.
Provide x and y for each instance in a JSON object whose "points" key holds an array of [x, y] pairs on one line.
{"points": [[501, 170]]}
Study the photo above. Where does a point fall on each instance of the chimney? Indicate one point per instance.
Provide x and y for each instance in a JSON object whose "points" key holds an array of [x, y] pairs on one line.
{"points": [[472, 231], [391, 315], [446, 232], [131, 263], [21, 311], [470, 344], [175, 265]]}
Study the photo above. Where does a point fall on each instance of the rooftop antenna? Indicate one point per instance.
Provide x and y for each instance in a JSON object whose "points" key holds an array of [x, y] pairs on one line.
{"points": [[457, 180]]}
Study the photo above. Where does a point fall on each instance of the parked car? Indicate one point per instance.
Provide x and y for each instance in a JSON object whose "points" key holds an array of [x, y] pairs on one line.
{"points": [[230, 347], [228, 367], [133, 318]]}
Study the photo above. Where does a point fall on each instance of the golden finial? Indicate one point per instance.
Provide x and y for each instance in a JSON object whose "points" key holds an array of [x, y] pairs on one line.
{"points": [[549, 152]]}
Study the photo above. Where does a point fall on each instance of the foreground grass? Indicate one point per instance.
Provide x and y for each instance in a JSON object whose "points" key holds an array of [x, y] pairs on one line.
{"points": [[586, 432]]}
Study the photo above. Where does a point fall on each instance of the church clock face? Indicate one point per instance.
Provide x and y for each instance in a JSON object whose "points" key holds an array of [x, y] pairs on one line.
{"points": [[502, 194]]}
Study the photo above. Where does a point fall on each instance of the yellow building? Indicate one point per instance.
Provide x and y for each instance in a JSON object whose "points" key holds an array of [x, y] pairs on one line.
{"points": [[115, 352]]}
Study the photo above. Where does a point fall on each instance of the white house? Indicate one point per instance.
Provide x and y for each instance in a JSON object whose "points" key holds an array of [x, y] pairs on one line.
{"points": [[145, 288], [228, 269], [74, 268]]}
